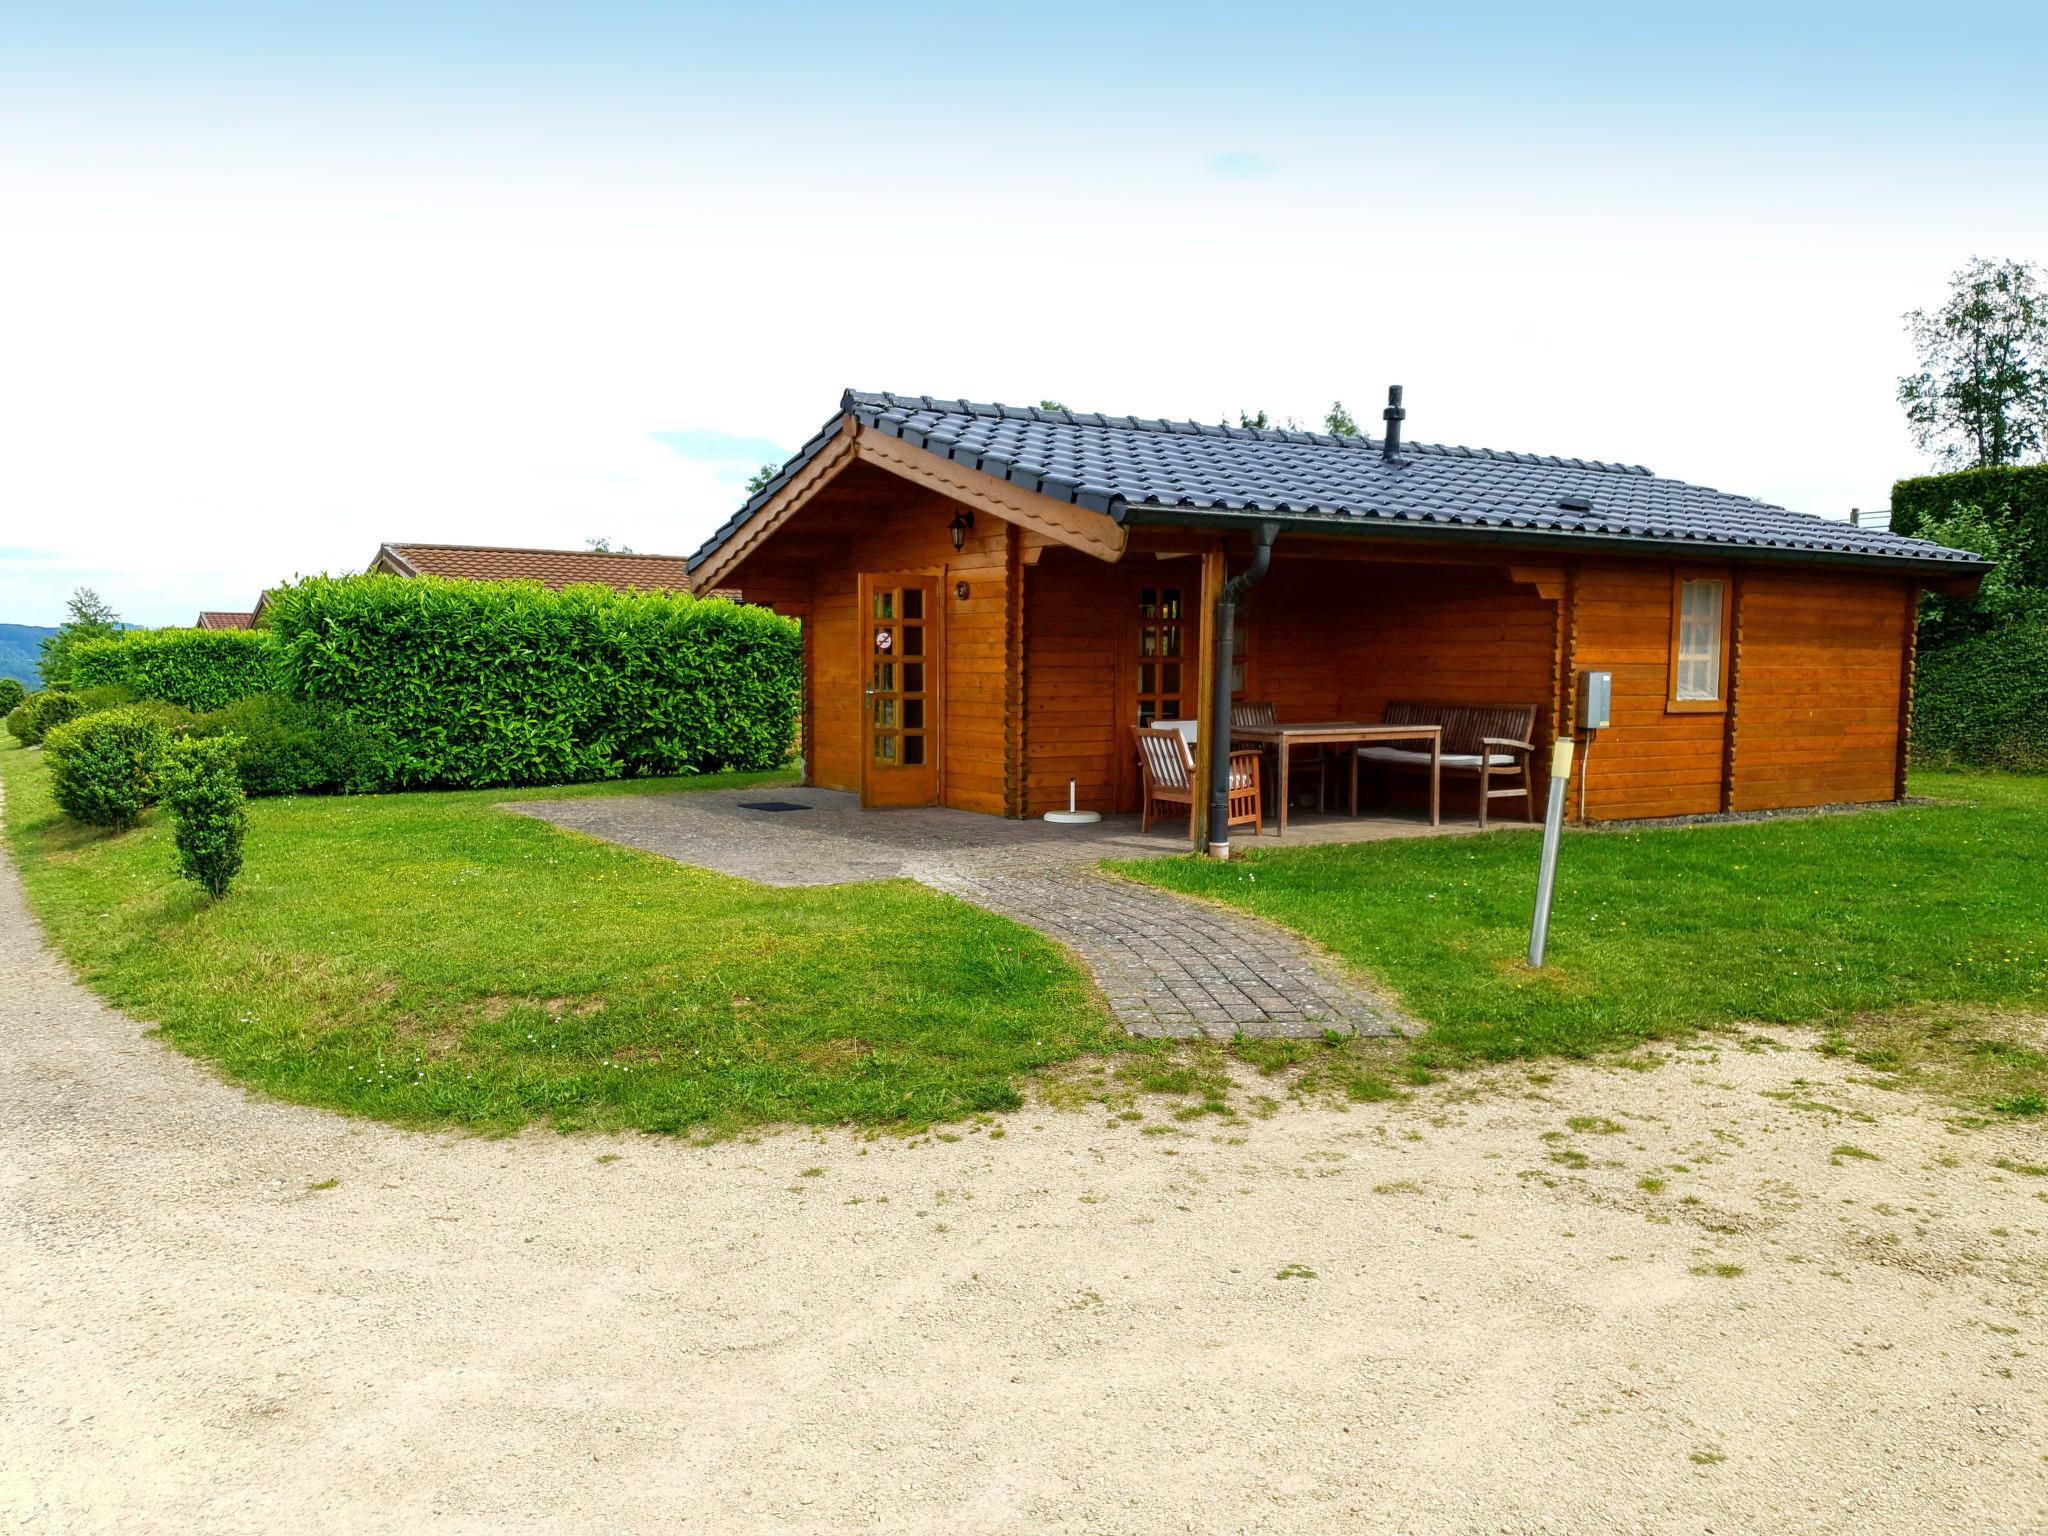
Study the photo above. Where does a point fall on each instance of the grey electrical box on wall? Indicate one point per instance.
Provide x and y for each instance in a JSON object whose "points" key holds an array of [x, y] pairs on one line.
{"points": [[1596, 699]]}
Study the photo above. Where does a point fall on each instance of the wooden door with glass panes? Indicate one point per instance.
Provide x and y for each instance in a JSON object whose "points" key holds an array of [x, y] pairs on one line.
{"points": [[1166, 671], [1159, 661], [900, 702]]}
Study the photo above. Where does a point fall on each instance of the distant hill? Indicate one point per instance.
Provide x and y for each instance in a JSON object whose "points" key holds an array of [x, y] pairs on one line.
{"points": [[19, 646]]}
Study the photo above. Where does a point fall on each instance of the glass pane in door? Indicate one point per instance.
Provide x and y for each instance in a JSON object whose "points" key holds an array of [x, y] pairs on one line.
{"points": [[1159, 649], [898, 699]]}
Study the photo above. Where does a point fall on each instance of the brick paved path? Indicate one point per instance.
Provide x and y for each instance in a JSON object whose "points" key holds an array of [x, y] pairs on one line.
{"points": [[1170, 966], [1167, 965]]}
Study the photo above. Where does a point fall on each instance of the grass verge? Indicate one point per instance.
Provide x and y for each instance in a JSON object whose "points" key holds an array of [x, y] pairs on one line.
{"points": [[429, 959], [1918, 937]]}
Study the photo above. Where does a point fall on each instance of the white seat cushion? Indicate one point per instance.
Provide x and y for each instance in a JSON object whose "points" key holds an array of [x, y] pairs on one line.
{"points": [[1411, 757]]}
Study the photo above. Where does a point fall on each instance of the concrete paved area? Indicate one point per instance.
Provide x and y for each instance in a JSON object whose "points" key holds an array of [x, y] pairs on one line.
{"points": [[1167, 966], [832, 840]]}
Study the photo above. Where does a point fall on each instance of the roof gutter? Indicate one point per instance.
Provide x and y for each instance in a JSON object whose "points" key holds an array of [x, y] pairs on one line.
{"points": [[1140, 514]]}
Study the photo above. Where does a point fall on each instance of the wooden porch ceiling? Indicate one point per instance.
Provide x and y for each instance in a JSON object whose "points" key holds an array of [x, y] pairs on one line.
{"points": [[1547, 578]]}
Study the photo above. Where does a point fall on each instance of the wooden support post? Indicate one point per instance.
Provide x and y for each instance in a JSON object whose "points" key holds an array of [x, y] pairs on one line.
{"points": [[1728, 720], [1909, 664], [1567, 726], [806, 732], [1016, 762], [1205, 692]]}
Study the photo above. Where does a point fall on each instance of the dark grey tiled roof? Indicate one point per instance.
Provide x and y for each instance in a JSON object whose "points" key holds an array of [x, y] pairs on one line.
{"points": [[1136, 469]]}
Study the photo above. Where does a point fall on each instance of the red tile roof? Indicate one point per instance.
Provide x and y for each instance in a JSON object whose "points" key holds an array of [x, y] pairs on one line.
{"points": [[215, 619], [550, 567]]}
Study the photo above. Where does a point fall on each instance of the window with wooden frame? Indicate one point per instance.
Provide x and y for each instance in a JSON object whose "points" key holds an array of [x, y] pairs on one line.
{"points": [[1699, 642]]}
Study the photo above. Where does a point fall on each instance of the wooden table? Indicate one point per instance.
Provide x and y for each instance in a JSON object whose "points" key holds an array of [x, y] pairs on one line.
{"points": [[1345, 733]]}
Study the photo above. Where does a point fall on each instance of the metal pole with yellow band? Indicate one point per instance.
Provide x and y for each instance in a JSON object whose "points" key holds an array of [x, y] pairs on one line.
{"points": [[1553, 829]]}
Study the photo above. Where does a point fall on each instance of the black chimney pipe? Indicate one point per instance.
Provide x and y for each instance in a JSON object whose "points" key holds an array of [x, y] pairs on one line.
{"points": [[1390, 446], [1223, 642]]}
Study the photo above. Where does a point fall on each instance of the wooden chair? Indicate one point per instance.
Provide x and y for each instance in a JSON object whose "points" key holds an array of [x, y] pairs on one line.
{"points": [[1302, 762], [1487, 742], [1167, 757]]}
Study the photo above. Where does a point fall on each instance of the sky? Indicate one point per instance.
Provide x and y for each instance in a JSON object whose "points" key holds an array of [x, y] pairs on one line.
{"points": [[279, 283]]}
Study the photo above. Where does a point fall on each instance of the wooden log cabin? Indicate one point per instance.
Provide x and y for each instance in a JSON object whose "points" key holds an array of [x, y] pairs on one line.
{"points": [[994, 596]]}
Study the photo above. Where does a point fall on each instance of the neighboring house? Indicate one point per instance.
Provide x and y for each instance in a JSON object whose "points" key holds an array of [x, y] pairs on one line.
{"points": [[555, 568], [993, 597], [551, 567]]}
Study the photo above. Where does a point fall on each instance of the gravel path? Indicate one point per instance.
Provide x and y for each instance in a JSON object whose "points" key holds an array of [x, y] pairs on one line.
{"points": [[1168, 966], [221, 1314]]}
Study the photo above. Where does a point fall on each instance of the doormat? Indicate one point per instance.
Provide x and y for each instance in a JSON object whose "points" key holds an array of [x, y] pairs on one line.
{"points": [[772, 805]]}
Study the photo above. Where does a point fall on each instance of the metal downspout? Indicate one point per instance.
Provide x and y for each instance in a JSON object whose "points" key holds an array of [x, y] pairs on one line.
{"points": [[1223, 648]]}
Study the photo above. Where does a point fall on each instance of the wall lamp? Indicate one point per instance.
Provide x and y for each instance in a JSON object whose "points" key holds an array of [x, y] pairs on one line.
{"points": [[962, 522]]}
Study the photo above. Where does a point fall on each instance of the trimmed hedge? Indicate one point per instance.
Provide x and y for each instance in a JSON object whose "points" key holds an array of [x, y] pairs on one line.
{"points": [[1983, 700], [467, 683], [199, 669], [2016, 493]]}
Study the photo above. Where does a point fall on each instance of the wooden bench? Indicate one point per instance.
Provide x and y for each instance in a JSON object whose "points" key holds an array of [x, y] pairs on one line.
{"points": [[1487, 742]]}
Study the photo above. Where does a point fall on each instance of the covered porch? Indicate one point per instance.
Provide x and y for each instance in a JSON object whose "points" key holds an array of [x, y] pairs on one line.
{"points": [[1338, 634], [958, 656]]}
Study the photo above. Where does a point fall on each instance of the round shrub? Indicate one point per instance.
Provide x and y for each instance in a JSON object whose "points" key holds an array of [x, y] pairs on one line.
{"points": [[11, 694], [104, 767], [204, 794], [287, 746], [1983, 700], [40, 713]]}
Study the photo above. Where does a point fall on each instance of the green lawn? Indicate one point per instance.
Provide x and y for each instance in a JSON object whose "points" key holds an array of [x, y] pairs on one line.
{"points": [[1939, 912], [429, 959]]}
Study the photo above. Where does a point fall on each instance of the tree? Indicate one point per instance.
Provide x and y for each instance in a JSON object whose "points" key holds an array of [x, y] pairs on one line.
{"points": [[90, 618], [1980, 399], [757, 482], [604, 546], [2004, 598], [1338, 422], [1259, 421], [1050, 405]]}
